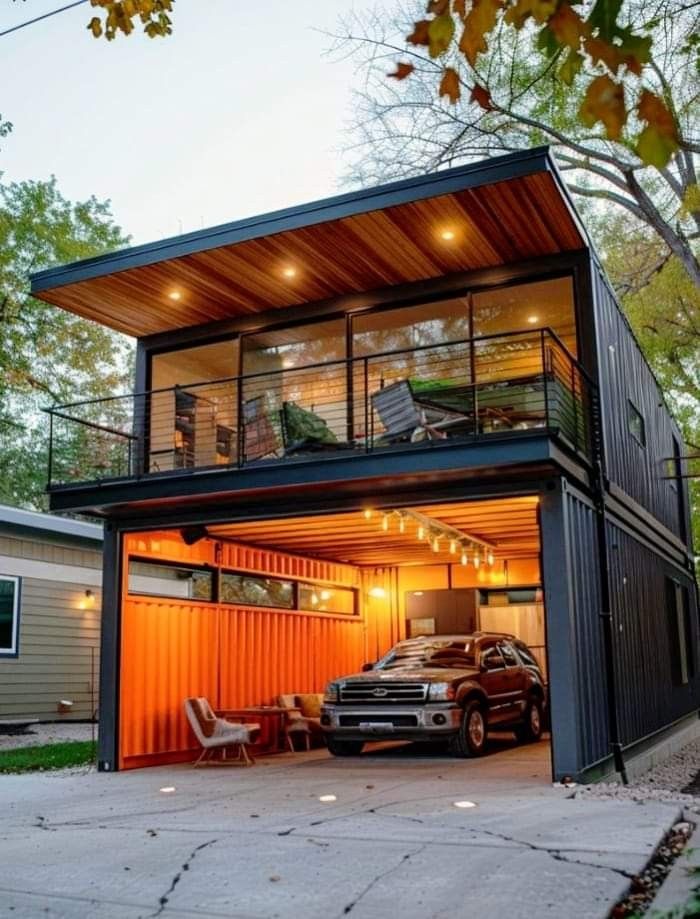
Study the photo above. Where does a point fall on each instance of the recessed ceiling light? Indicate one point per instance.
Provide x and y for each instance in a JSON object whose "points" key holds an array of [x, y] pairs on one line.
{"points": [[289, 271], [175, 295], [327, 798], [168, 789], [464, 804], [533, 319], [447, 234]]}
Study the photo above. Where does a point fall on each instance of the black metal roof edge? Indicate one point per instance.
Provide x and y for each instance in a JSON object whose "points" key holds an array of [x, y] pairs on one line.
{"points": [[470, 175]]}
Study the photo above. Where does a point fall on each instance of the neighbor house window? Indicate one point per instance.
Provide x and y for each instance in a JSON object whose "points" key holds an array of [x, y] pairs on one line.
{"points": [[166, 580], [9, 615], [635, 424], [249, 590], [324, 599], [680, 632]]}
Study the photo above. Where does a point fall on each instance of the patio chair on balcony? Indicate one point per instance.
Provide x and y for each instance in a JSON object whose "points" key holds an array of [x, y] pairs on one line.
{"points": [[408, 416], [261, 438], [219, 736]]}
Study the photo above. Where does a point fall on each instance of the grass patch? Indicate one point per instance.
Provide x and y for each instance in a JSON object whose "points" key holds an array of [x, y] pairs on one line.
{"points": [[47, 756]]}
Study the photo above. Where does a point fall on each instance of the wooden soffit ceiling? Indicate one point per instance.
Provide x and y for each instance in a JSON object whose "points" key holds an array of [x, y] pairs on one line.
{"points": [[509, 525], [501, 211]]}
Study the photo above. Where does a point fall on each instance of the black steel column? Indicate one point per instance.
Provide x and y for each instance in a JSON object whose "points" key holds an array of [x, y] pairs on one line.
{"points": [[108, 745]]}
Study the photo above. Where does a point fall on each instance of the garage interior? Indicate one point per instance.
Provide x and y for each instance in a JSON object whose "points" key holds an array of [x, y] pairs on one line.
{"points": [[244, 612]]}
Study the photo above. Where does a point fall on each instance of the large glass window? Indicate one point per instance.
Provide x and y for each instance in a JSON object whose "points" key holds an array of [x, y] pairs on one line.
{"points": [[248, 590], [192, 416], [165, 580], [293, 383], [9, 615]]}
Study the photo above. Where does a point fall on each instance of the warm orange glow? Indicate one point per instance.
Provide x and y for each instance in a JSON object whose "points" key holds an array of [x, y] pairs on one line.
{"points": [[175, 295], [289, 271], [533, 320], [378, 593], [447, 234]]}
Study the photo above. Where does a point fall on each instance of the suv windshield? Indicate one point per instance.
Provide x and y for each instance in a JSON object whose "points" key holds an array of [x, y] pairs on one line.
{"points": [[433, 652]]}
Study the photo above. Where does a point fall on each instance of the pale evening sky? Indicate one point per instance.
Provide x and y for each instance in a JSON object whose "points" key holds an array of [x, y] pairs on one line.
{"points": [[237, 113]]}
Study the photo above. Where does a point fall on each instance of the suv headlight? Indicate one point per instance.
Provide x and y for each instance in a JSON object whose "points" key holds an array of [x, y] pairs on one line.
{"points": [[441, 692], [332, 692]]}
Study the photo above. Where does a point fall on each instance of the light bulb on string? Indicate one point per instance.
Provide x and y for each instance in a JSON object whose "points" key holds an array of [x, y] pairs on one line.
{"points": [[421, 532], [402, 524], [385, 522], [477, 559], [436, 543], [368, 513], [453, 546], [490, 558], [464, 560]]}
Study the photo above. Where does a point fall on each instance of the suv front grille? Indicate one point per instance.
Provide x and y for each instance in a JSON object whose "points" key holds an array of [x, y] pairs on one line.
{"points": [[399, 721], [383, 693]]}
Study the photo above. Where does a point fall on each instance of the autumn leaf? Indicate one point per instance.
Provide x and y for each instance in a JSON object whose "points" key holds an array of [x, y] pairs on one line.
{"points": [[460, 8], [440, 32], [438, 7], [449, 85], [605, 102], [95, 26], [540, 10], [482, 97], [568, 27], [659, 140], [402, 71], [479, 22], [571, 66], [419, 35]]}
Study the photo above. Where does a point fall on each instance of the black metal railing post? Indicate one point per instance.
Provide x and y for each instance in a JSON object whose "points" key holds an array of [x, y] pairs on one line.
{"points": [[575, 401], [240, 427], [369, 444], [544, 379], [50, 462]]}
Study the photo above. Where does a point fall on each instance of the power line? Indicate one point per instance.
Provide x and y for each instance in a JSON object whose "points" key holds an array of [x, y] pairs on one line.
{"points": [[30, 22]]}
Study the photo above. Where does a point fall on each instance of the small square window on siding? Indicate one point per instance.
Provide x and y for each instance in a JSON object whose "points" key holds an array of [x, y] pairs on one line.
{"points": [[635, 424], [9, 615]]}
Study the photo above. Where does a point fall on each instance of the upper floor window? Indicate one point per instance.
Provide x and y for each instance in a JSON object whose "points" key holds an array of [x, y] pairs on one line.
{"points": [[680, 632], [9, 615], [635, 424]]}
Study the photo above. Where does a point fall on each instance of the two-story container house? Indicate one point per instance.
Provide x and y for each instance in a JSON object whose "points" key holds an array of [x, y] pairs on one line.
{"points": [[410, 409]]}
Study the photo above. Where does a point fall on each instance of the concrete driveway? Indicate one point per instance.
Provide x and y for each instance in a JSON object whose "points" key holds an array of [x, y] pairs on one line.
{"points": [[259, 842]]}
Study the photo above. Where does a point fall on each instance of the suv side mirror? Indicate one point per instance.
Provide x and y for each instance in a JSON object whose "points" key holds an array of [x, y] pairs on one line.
{"points": [[366, 667]]}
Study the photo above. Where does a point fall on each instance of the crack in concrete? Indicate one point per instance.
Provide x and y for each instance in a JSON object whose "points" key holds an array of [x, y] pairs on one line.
{"points": [[555, 853], [348, 908], [163, 900]]}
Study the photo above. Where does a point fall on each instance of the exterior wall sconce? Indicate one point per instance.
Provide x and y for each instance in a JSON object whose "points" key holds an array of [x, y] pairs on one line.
{"points": [[88, 601]]}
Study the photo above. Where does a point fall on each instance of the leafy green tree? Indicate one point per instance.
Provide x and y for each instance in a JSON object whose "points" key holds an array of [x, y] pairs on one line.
{"points": [[48, 355], [512, 96]]}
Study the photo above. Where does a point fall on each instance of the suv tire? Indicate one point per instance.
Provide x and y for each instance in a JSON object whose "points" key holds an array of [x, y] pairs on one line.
{"points": [[344, 747], [470, 739], [530, 730]]}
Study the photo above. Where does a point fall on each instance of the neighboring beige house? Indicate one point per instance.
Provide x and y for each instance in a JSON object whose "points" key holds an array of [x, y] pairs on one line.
{"points": [[50, 604]]}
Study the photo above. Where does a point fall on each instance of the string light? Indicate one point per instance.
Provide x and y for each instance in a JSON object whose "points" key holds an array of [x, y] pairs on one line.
{"points": [[402, 523], [385, 522], [490, 558], [368, 513], [477, 559], [436, 544], [464, 560], [421, 532], [453, 546]]}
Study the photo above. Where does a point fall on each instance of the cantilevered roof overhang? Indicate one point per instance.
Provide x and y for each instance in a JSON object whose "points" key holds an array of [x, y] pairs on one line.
{"points": [[481, 215]]}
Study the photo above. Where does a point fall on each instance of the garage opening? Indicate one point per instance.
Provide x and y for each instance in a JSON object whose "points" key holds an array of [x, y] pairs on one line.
{"points": [[254, 614]]}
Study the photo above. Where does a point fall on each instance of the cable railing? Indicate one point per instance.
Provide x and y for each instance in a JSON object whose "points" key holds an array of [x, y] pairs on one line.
{"points": [[427, 395]]}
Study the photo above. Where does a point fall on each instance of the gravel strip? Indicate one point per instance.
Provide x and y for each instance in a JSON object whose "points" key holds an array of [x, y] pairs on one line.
{"points": [[667, 782], [39, 734]]}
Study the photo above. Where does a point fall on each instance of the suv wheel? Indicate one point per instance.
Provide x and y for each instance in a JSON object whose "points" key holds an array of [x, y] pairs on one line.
{"points": [[531, 728], [344, 747], [470, 740]]}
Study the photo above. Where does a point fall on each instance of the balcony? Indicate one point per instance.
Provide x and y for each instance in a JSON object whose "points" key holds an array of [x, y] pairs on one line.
{"points": [[497, 386]]}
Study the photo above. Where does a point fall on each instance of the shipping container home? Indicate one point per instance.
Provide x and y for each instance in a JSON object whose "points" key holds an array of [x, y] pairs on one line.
{"points": [[50, 590], [412, 407]]}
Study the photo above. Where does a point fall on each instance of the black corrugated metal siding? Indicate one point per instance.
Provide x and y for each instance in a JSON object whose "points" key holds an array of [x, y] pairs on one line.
{"points": [[588, 632], [625, 375], [648, 699]]}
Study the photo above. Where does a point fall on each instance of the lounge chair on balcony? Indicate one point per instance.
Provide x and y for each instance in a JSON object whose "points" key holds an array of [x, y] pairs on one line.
{"points": [[261, 440], [405, 416], [217, 735]]}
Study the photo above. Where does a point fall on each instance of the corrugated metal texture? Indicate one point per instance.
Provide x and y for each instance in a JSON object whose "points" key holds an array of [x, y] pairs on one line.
{"points": [[587, 631], [648, 699], [59, 652], [255, 559], [169, 545], [625, 375], [169, 652], [385, 615], [234, 656], [265, 653]]}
